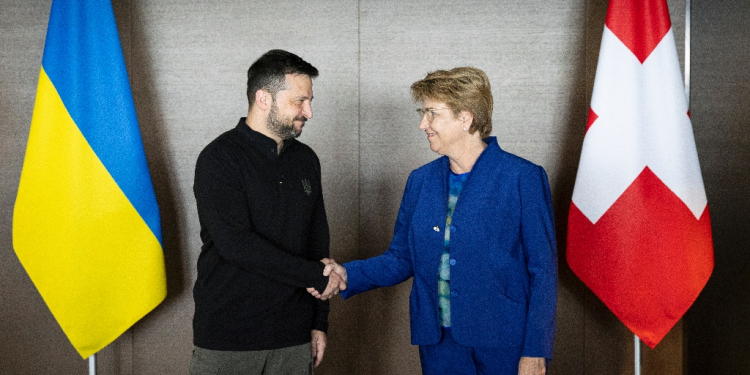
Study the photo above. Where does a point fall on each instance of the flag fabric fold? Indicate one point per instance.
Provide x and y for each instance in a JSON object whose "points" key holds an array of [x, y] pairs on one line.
{"points": [[639, 229], [86, 224]]}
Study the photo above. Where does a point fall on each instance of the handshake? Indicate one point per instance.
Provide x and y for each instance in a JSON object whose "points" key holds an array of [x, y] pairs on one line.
{"points": [[336, 281]]}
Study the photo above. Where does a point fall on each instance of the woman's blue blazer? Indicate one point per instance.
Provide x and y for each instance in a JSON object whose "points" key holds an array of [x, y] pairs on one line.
{"points": [[502, 249]]}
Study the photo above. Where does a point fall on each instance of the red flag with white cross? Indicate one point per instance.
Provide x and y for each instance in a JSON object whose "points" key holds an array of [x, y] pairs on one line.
{"points": [[639, 230]]}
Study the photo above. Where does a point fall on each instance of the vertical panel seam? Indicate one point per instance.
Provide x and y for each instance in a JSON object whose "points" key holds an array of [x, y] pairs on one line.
{"points": [[359, 124], [359, 161]]}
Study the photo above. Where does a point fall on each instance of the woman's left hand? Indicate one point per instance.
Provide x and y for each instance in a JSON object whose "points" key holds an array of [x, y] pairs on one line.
{"points": [[532, 366]]}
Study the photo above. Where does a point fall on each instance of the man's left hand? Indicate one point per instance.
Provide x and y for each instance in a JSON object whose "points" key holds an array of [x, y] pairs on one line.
{"points": [[318, 346], [532, 366]]}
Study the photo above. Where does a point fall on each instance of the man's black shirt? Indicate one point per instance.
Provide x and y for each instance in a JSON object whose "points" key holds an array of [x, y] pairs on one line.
{"points": [[264, 231]]}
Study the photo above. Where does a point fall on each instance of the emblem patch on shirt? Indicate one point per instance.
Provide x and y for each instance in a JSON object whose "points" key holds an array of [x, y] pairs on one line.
{"points": [[306, 186]]}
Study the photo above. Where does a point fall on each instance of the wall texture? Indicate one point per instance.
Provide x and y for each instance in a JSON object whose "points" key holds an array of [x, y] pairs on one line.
{"points": [[187, 62], [717, 327]]}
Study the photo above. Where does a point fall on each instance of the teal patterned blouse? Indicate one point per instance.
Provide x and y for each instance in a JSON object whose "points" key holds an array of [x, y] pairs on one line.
{"points": [[455, 183]]}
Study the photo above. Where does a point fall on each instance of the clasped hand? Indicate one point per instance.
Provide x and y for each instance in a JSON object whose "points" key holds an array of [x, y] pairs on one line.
{"points": [[336, 280]]}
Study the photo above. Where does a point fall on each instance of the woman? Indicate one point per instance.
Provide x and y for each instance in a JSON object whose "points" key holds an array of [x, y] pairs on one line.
{"points": [[476, 231]]}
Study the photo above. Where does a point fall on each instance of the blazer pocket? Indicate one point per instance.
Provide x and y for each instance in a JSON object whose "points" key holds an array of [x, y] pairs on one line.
{"points": [[515, 294]]}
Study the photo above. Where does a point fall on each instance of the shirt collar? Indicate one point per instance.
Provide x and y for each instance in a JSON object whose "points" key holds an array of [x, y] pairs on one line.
{"points": [[261, 142]]}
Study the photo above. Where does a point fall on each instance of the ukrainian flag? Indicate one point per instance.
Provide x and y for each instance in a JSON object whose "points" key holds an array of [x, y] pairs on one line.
{"points": [[86, 224]]}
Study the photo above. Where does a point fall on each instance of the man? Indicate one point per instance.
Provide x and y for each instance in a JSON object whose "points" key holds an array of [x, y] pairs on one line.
{"points": [[264, 231]]}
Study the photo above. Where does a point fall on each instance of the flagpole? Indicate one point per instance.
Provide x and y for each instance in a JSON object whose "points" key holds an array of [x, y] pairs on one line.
{"points": [[637, 355], [92, 364]]}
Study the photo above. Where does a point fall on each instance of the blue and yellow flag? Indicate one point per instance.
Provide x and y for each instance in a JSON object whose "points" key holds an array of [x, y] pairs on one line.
{"points": [[86, 224]]}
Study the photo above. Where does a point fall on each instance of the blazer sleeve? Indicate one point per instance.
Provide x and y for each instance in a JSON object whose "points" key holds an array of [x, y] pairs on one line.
{"points": [[395, 264], [540, 251]]}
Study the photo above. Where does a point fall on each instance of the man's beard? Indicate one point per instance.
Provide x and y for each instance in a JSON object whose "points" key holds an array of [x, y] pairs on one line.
{"points": [[283, 128]]}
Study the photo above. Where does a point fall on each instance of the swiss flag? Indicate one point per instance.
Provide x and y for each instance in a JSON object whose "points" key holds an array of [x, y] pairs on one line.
{"points": [[639, 230]]}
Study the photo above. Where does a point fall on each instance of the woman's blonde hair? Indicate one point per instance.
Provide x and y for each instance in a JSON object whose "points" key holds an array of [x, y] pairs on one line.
{"points": [[461, 89]]}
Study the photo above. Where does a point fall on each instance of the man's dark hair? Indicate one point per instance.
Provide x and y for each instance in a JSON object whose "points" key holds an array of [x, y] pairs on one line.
{"points": [[270, 70]]}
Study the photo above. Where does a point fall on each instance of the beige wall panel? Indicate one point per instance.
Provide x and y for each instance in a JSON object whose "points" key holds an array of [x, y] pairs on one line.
{"points": [[189, 63], [533, 52]]}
